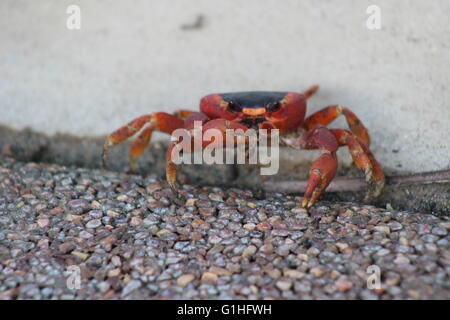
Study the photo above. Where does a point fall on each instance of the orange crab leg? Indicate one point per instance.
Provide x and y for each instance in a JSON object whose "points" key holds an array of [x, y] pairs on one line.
{"points": [[171, 168], [330, 113], [324, 167], [138, 147], [311, 91], [183, 114], [363, 158], [160, 121], [321, 173]]}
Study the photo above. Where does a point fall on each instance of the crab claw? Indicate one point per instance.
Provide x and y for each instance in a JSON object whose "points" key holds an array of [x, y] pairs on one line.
{"points": [[322, 172]]}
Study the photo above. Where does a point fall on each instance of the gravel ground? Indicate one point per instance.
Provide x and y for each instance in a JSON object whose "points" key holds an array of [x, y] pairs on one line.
{"points": [[131, 238]]}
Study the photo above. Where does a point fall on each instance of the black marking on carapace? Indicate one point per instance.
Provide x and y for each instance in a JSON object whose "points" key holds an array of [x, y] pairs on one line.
{"points": [[253, 99]]}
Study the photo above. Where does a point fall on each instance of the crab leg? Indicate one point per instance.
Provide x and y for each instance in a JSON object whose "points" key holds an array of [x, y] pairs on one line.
{"points": [[324, 167], [183, 114], [220, 124], [160, 121], [138, 146], [364, 159], [311, 91], [330, 113], [141, 143]]}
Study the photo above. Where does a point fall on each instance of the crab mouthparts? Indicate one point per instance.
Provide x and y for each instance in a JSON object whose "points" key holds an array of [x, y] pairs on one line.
{"points": [[254, 112], [253, 123]]}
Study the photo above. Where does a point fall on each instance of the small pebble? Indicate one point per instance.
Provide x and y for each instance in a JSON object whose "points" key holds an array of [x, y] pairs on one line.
{"points": [[95, 223], [284, 284], [130, 287], [112, 214], [343, 285], [81, 255], [249, 251], [317, 272], [296, 274], [383, 252], [114, 273], [136, 221], [184, 280], [209, 277], [299, 210], [401, 259], [384, 229], [43, 223]]}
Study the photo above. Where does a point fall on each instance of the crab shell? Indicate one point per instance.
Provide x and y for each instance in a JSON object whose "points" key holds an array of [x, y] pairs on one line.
{"points": [[254, 108]]}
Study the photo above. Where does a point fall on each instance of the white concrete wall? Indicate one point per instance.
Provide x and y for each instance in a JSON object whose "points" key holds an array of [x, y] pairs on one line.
{"points": [[133, 57]]}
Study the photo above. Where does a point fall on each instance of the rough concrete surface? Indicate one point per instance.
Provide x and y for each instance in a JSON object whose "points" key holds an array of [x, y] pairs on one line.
{"points": [[134, 58], [129, 237]]}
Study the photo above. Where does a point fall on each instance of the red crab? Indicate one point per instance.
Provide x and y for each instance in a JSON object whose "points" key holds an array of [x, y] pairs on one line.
{"points": [[265, 110]]}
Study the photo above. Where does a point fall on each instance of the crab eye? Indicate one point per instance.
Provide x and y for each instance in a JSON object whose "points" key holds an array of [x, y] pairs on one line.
{"points": [[273, 106], [234, 107]]}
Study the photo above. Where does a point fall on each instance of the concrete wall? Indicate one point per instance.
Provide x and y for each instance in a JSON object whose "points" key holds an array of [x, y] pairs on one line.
{"points": [[135, 57]]}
